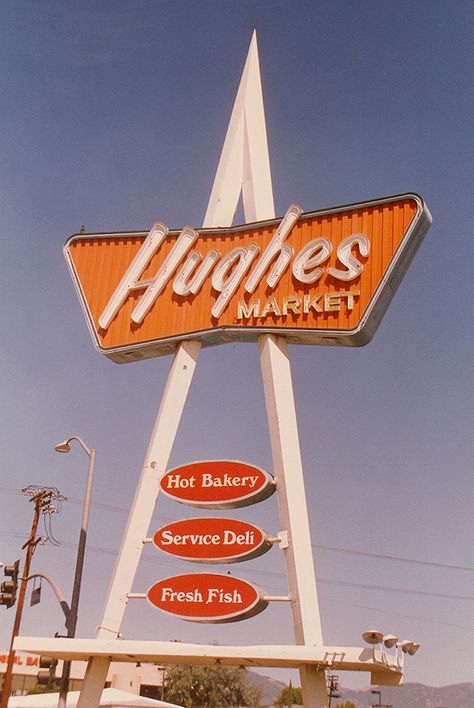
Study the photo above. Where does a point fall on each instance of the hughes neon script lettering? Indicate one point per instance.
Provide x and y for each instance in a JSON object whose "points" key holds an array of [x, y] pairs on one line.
{"points": [[229, 271]]}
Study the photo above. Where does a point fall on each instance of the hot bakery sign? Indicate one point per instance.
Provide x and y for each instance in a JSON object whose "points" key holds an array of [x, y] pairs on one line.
{"points": [[323, 277], [212, 597]]}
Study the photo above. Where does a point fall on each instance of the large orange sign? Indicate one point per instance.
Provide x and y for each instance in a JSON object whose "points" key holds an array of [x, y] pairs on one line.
{"points": [[324, 277]]}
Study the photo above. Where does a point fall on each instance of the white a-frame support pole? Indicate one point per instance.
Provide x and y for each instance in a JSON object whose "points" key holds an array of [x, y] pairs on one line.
{"points": [[141, 511], [244, 166], [281, 414]]}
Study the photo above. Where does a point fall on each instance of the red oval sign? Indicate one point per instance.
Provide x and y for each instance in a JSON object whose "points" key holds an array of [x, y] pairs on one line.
{"points": [[207, 597], [218, 484], [212, 540]]}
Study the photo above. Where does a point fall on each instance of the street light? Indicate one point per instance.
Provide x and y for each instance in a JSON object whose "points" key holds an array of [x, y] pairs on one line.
{"points": [[71, 621], [65, 446]]}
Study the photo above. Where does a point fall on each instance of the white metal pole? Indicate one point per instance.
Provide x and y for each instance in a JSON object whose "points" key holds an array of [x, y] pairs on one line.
{"points": [[94, 681], [143, 506], [281, 414]]}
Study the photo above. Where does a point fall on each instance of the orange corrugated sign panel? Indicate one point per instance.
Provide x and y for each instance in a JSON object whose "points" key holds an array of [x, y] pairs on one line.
{"points": [[324, 277]]}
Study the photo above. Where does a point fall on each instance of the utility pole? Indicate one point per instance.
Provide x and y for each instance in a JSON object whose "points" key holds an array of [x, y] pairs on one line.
{"points": [[333, 688], [41, 498], [380, 704]]}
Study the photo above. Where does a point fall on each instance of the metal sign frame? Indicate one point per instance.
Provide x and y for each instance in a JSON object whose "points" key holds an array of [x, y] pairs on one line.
{"points": [[244, 166]]}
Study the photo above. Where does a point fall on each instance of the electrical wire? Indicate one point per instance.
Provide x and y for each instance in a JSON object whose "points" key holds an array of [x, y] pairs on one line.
{"points": [[381, 556], [397, 614], [174, 564], [320, 546], [338, 549], [170, 563]]}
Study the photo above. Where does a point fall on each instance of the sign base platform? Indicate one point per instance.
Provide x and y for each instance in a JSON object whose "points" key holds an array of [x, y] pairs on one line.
{"points": [[385, 668]]}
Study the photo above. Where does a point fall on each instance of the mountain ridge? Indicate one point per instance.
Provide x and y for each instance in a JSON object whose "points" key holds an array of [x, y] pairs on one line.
{"points": [[409, 695]]}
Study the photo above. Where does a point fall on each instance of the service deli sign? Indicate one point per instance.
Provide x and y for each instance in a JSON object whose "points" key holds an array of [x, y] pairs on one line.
{"points": [[323, 277], [212, 540]]}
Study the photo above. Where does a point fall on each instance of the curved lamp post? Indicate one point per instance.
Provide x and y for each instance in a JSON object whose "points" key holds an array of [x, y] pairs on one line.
{"points": [[71, 621]]}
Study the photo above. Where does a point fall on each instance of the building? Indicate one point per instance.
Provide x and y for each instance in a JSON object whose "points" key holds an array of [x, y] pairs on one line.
{"points": [[141, 679]]}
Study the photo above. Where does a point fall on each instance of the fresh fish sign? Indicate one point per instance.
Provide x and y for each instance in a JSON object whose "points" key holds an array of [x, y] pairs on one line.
{"points": [[207, 597]]}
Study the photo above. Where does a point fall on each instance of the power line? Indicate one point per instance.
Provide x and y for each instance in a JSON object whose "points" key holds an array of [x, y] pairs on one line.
{"points": [[6, 491], [397, 614], [392, 558], [324, 547], [391, 589], [381, 588], [170, 563]]}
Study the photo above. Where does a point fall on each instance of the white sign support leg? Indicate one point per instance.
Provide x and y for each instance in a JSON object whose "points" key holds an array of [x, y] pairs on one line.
{"points": [[313, 685], [94, 682], [245, 165], [281, 414], [143, 506]]}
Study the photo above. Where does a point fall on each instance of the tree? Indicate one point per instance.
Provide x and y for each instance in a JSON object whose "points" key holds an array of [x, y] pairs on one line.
{"points": [[289, 696], [346, 704], [51, 688], [210, 686]]}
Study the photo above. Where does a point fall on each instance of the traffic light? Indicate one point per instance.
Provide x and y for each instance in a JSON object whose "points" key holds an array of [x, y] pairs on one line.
{"points": [[47, 674], [9, 587]]}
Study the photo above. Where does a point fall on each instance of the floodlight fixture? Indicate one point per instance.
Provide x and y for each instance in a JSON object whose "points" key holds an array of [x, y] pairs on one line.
{"points": [[372, 636], [409, 647], [390, 640], [413, 648]]}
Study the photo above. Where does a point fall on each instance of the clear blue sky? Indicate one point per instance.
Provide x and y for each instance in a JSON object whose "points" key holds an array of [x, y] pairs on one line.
{"points": [[113, 115]]}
